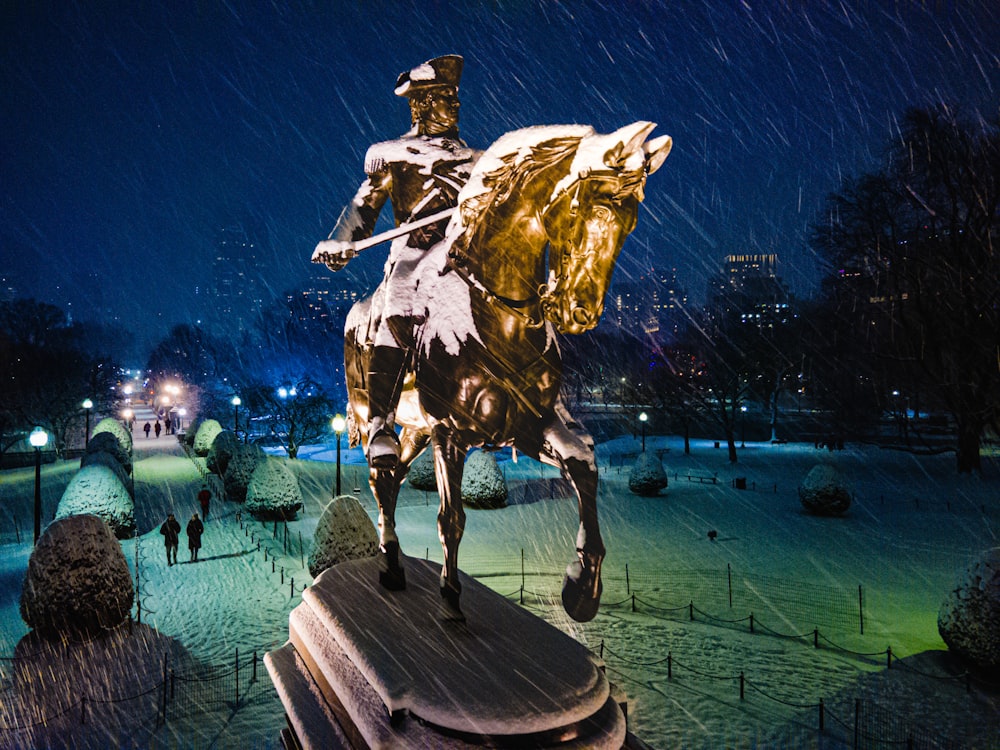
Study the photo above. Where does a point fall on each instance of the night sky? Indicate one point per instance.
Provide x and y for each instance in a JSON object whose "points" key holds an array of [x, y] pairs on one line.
{"points": [[131, 132]]}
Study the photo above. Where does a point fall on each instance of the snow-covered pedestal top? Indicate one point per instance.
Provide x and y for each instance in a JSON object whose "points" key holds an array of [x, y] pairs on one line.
{"points": [[503, 672]]}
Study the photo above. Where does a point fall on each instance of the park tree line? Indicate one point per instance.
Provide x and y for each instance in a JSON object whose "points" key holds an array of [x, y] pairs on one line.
{"points": [[48, 366], [907, 320], [286, 368]]}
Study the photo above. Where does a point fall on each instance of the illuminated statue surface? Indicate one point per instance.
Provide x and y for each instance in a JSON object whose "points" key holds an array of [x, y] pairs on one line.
{"points": [[528, 252]]}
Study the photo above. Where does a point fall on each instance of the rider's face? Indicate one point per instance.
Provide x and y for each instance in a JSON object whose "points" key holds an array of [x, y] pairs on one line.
{"points": [[441, 111]]}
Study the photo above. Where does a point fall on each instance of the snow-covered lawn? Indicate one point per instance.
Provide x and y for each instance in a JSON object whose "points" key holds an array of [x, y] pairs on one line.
{"points": [[913, 524]]}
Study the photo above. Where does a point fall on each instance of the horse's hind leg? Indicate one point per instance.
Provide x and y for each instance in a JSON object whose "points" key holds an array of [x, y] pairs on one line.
{"points": [[449, 461], [573, 452]]}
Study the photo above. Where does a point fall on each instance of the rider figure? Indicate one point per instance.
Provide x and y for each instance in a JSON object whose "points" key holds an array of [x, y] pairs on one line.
{"points": [[420, 173]]}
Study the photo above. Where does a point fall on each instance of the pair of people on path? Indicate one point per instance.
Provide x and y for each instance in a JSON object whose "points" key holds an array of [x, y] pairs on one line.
{"points": [[171, 530]]}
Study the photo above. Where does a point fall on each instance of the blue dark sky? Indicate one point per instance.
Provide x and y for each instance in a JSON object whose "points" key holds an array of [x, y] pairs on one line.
{"points": [[130, 132]]}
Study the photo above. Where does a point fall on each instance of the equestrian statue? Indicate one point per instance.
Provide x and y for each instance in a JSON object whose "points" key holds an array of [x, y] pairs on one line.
{"points": [[494, 253]]}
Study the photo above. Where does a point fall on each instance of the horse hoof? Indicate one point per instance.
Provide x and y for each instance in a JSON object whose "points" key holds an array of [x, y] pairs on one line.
{"points": [[392, 577], [579, 597], [451, 610]]}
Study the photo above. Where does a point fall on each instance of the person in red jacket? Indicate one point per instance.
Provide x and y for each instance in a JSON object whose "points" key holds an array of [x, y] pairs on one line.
{"points": [[204, 498]]}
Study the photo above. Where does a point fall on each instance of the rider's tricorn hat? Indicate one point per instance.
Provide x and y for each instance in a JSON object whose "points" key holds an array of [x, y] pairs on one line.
{"points": [[441, 71]]}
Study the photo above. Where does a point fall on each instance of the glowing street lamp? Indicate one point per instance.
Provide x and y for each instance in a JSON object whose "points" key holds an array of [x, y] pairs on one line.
{"points": [[236, 414], [38, 438], [743, 427], [87, 406], [338, 423], [181, 413], [642, 420], [127, 415]]}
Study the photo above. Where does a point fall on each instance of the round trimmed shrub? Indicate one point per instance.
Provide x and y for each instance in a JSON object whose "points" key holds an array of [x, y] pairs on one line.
{"points": [[273, 492], [122, 434], [421, 474], [77, 579], [100, 458], [483, 485], [221, 452], [825, 491], [205, 436], [344, 532], [95, 490], [105, 442], [969, 619], [240, 470], [647, 477]]}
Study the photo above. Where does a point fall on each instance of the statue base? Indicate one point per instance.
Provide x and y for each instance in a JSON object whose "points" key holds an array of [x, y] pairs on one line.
{"points": [[369, 668]]}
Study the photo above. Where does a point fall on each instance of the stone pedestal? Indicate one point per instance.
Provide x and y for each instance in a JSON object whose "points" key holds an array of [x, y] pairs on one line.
{"points": [[369, 668]]}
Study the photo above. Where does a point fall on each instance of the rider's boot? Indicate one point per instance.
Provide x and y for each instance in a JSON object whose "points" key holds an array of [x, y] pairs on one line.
{"points": [[385, 381]]}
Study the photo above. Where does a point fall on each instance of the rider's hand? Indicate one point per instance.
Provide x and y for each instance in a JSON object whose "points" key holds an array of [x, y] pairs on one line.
{"points": [[334, 254]]}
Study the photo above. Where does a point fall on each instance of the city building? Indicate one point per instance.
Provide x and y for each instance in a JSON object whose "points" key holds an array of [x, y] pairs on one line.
{"points": [[748, 291]]}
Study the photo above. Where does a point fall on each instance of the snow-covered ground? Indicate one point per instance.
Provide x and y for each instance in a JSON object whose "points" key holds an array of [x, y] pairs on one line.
{"points": [[913, 525]]}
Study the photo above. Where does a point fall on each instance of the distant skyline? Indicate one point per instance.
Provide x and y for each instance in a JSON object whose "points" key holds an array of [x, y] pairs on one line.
{"points": [[133, 133]]}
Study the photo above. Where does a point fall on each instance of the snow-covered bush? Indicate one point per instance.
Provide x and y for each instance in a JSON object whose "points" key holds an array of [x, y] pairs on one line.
{"points": [[274, 491], [107, 443], [344, 532], [189, 434], [95, 490], [241, 466], [647, 477], [116, 428], [421, 473], [483, 485], [969, 618], [77, 579], [100, 458], [221, 452], [825, 491], [205, 436]]}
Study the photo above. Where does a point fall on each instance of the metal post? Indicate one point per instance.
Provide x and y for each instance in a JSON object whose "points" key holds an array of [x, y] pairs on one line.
{"points": [[861, 610], [729, 576], [338, 464], [38, 493], [237, 677]]}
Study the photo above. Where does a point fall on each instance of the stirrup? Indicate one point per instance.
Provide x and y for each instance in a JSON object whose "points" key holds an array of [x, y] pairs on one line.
{"points": [[383, 449]]}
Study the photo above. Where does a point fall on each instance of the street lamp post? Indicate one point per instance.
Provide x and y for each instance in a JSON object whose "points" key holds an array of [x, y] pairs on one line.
{"points": [[87, 406], [743, 427], [38, 438], [642, 420], [181, 413], [339, 423], [236, 415]]}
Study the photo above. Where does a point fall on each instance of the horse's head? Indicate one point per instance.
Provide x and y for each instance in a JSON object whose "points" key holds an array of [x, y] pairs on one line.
{"points": [[591, 212]]}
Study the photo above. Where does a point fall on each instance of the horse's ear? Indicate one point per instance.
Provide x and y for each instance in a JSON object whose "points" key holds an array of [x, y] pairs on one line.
{"points": [[656, 152], [630, 138]]}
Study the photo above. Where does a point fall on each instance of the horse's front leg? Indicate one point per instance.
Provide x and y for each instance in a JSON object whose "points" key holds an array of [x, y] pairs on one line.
{"points": [[573, 452], [385, 487], [449, 461]]}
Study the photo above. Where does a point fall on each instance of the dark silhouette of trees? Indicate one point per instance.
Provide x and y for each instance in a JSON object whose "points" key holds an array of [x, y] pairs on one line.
{"points": [[295, 413], [48, 366], [915, 278]]}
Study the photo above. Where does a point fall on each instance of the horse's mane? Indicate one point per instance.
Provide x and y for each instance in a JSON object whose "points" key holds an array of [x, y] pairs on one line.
{"points": [[503, 169]]}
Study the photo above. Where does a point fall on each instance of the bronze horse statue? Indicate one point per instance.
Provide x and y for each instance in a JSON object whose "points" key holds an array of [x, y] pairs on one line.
{"points": [[529, 251]]}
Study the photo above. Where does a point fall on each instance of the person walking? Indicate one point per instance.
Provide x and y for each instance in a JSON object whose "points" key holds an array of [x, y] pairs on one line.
{"points": [[157, 428], [171, 530], [146, 428], [204, 497], [195, 529]]}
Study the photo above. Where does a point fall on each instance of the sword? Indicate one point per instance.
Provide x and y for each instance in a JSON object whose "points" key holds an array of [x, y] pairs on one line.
{"points": [[391, 234]]}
